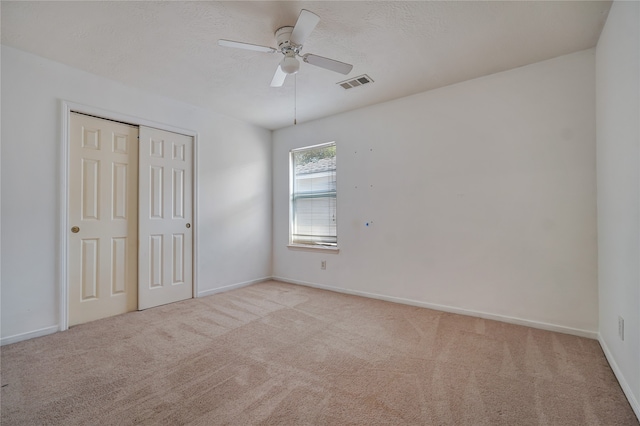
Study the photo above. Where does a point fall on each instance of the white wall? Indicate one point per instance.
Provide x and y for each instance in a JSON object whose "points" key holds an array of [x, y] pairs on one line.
{"points": [[234, 176], [618, 167], [482, 197]]}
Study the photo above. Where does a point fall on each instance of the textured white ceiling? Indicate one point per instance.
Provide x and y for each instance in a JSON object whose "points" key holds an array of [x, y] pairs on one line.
{"points": [[406, 47]]}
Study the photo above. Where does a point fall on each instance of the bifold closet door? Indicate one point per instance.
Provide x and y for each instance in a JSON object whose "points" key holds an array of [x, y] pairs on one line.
{"points": [[165, 218]]}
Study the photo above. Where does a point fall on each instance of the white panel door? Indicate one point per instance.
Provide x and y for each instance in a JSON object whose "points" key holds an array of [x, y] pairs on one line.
{"points": [[165, 218], [103, 198]]}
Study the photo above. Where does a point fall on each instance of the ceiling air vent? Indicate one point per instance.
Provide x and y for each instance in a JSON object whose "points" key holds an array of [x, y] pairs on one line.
{"points": [[355, 82]]}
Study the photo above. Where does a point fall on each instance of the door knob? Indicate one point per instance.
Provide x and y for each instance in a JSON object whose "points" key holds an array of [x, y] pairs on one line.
{"points": [[188, 225], [75, 229]]}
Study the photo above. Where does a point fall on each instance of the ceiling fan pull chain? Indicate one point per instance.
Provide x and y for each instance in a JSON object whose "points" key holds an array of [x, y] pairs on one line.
{"points": [[295, 99]]}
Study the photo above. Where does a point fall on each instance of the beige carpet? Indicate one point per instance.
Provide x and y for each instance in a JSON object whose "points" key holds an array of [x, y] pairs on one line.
{"points": [[281, 354]]}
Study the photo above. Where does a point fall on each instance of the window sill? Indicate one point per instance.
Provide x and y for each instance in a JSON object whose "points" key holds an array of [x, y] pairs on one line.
{"points": [[333, 250]]}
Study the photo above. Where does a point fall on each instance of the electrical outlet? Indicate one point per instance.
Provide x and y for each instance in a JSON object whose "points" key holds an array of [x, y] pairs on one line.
{"points": [[323, 264], [621, 328]]}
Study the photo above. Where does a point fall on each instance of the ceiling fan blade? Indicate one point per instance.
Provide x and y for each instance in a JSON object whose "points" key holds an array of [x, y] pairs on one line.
{"points": [[278, 78], [306, 22], [247, 46], [326, 63]]}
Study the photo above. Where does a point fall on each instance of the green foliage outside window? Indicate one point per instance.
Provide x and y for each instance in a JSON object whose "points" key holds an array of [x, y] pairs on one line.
{"points": [[314, 155]]}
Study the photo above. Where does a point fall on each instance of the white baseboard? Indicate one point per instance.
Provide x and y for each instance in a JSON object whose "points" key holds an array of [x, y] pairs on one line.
{"points": [[618, 373], [232, 286], [452, 309], [29, 335]]}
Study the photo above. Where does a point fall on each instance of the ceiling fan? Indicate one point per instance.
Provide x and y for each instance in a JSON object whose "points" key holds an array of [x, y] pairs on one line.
{"points": [[290, 41]]}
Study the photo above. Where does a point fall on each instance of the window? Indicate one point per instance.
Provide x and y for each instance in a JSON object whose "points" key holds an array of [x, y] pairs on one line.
{"points": [[313, 196]]}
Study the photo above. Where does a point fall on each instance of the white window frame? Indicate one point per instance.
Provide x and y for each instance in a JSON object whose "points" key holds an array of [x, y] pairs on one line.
{"points": [[298, 245]]}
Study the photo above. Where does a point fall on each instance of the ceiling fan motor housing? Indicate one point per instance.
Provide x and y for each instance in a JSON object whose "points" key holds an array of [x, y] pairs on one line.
{"points": [[289, 64], [283, 38]]}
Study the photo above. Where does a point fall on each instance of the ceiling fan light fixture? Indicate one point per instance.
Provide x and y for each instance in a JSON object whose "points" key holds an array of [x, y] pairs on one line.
{"points": [[290, 65], [290, 41]]}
